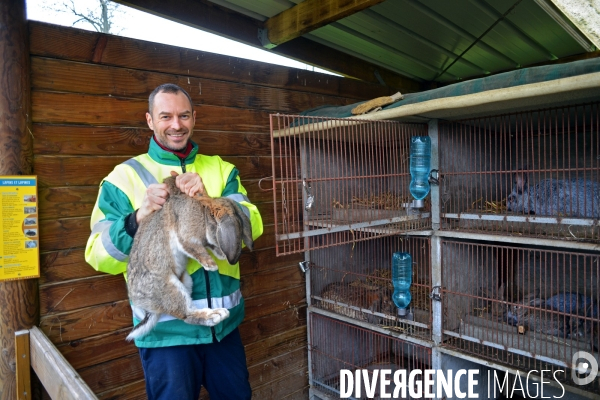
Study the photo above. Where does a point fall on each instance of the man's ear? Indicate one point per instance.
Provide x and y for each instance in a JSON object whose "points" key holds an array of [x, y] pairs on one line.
{"points": [[149, 121]]}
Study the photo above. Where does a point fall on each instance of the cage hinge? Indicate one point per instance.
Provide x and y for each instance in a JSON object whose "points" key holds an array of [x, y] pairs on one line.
{"points": [[304, 265], [435, 293]]}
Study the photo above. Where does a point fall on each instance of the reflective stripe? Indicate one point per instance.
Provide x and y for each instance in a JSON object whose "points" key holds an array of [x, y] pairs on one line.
{"points": [[100, 226], [145, 175], [103, 228], [237, 197], [227, 302]]}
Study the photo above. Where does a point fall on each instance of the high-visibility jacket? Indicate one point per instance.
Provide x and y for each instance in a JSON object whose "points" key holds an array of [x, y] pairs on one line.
{"points": [[108, 246]]}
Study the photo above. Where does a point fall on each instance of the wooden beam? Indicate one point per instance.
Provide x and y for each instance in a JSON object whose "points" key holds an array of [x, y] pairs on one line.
{"points": [[18, 299], [57, 376], [210, 17], [23, 365], [308, 16]]}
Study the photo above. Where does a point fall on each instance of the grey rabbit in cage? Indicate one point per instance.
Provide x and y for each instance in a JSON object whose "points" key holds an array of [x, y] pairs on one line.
{"points": [[572, 198], [157, 278], [537, 319]]}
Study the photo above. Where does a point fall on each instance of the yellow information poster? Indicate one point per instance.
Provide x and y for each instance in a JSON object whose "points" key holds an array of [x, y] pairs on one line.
{"points": [[19, 240]]}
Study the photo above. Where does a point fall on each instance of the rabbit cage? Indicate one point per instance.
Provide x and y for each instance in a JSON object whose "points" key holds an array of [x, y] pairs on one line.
{"points": [[506, 265]]}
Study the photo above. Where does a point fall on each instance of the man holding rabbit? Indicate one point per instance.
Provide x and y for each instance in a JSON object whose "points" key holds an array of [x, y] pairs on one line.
{"points": [[178, 358]]}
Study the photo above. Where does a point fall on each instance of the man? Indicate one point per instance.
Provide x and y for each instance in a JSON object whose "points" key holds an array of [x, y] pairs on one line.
{"points": [[177, 358]]}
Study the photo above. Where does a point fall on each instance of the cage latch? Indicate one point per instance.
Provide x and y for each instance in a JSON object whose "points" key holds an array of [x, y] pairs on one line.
{"points": [[304, 265], [434, 177], [435, 293]]}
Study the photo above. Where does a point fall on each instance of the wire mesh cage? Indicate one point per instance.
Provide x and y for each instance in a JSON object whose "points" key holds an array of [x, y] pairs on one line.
{"points": [[341, 181], [528, 307], [355, 280], [534, 173], [336, 345]]}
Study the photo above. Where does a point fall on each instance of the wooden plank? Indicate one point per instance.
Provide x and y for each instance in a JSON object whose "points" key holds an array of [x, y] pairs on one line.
{"points": [[309, 15], [78, 201], [273, 324], [296, 379], [131, 391], [62, 265], [59, 379], [113, 374], [293, 363], [64, 202], [68, 76], [95, 350], [23, 365], [74, 108], [100, 141], [271, 280], [76, 294], [63, 234], [57, 171], [272, 346], [301, 394], [90, 140], [252, 262], [288, 298], [87, 322], [78, 45]]}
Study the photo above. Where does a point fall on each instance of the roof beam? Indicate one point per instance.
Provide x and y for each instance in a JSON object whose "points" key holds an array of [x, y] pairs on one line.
{"points": [[210, 17], [308, 16]]}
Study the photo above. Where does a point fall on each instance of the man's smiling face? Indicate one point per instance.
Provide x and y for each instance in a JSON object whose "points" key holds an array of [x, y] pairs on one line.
{"points": [[172, 120]]}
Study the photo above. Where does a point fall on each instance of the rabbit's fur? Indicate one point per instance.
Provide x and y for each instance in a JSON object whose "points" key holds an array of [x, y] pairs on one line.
{"points": [[373, 299], [532, 314], [564, 198], [157, 279]]}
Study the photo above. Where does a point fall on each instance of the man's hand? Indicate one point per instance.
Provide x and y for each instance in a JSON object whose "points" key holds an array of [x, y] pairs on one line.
{"points": [[190, 183], [155, 197]]}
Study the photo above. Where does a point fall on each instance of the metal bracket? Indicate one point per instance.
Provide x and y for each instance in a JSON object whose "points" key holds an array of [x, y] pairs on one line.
{"points": [[304, 265], [310, 199], [434, 180], [435, 293], [263, 38]]}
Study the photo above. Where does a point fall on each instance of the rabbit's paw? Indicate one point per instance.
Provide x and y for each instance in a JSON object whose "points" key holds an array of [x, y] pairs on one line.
{"points": [[210, 265], [217, 315]]}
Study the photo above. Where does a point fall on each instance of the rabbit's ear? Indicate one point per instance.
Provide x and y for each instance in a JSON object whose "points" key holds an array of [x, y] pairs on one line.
{"points": [[520, 182], [229, 237], [246, 227]]}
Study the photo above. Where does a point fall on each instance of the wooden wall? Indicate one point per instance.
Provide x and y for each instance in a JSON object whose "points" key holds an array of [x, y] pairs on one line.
{"points": [[89, 97]]}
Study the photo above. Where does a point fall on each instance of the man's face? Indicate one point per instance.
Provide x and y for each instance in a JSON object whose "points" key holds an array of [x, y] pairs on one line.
{"points": [[172, 120]]}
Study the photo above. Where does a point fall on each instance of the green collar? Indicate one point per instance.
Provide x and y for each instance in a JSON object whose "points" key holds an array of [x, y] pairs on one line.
{"points": [[167, 158]]}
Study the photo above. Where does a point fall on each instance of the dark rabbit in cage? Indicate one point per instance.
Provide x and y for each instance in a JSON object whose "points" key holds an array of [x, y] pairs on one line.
{"points": [[554, 197], [537, 315], [531, 314]]}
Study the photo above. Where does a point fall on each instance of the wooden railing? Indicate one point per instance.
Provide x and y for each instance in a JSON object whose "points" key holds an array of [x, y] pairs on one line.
{"points": [[34, 350]]}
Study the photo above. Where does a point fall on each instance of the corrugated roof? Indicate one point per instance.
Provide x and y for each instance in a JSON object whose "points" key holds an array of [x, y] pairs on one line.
{"points": [[441, 41]]}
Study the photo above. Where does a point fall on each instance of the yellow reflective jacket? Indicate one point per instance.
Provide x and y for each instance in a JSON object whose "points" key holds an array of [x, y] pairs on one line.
{"points": [[108, 246]]}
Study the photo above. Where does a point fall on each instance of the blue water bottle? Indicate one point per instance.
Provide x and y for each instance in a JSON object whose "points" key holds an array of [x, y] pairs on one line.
{"points": [[420, 166], [402, 279]]}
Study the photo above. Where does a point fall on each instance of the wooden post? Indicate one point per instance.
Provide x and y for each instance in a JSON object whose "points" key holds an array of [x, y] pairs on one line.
{"points": [[18, 299]]}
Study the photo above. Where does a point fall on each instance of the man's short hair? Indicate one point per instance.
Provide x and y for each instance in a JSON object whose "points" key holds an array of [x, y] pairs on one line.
{"points": [[167, 88]]}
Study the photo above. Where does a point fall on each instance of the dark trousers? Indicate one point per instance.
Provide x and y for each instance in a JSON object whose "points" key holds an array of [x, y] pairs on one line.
{"points": [[178, 372]]}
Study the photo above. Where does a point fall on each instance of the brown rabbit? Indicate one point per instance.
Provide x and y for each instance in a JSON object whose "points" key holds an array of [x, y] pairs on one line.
{"points": [[157, 279]]}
